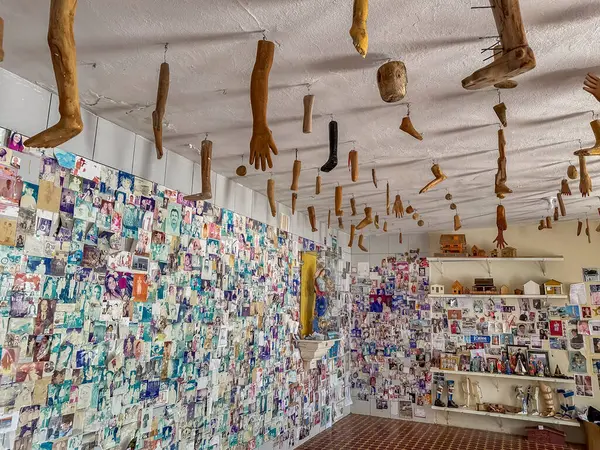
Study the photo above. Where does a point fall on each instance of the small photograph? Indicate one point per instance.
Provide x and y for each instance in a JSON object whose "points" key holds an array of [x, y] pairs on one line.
{"points": [[583, 386], [595, 294], [596, 345], [583, 327], [139, 264], [558, 343], [556, 328], [29, 196], [29, 372], [15, 141], [49, 196], [147, 203], [577, 362], [517, 355], [67, 201], [125, 182], [591, 274], [173, 221], [45, 316], [38, 265], [586, 312], [140, 287], [88, 169], [576, 340], [65, 159], [454, 314]]}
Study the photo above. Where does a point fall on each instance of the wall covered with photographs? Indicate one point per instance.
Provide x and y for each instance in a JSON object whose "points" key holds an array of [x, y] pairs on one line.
{"points": [[132, 318], [391, 337]]}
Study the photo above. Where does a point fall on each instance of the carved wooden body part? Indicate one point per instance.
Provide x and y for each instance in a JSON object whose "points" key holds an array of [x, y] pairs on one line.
{"points": [[556, 214], [542, 225], [352, 233], [391, 81], [572, 172], [241, 171], [587, 230], [318, 185], [294, 199], [328, 219], [517, 57], [61, 41], [439, 177], [308, 101], [296, 175], [387, 198], [361, 243], [271, 196], [385, 226], [368, 220], [502, 225], [579, 227], [340, 223], [376, 221], [353, 163], [585, 182], [564, 187], [331, 163], [500, 110], [595, 150], [262, 143], [312, 217], [500, 187], [358, 31], [561, 204], [410, 209], [161, 104], [338, 201], [592, 85], [548, 222], [1, 39], [353, 205], [399, 207], [206, 160], [408, 127], [374, 177], [400, 238], [457, 224]]}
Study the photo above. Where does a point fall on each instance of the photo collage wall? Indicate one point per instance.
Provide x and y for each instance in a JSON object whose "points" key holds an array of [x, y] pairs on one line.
{"points": [[131, 318], [391, 336]]}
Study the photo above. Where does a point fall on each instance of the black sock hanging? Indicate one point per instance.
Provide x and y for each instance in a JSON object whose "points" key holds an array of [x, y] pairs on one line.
{"points": [[333, 148]]}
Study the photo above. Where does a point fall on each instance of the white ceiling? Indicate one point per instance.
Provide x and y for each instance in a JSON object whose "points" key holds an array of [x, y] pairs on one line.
{"points": [[212, 46]]}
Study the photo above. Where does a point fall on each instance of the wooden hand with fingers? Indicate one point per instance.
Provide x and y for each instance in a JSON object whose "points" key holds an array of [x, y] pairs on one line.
{"points": [[500, 186], [61, 40], [358, 32], [262, 142], [592, 85], [517, 57], [439, 177], [368, 220], [206, 159], [161, 103], [398, 207], [502, 225]]}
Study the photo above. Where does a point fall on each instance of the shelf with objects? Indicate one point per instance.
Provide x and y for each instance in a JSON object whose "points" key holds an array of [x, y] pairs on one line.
{"points": [[503, 375], [538, 419]]}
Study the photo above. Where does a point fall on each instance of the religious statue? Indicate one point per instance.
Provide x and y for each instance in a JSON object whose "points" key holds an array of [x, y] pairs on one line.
{"points": [[521, 399]]}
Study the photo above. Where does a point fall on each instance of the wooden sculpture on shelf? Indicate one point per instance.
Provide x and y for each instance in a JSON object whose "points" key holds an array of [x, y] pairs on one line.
{"points": [[271, 196], [376, 221], [294, 199], [585, 182], [572, 172], [500, 110], [556, 215], [561, 204], [564, 187], [439, 177], [592, 85], [387, 198], [206, 160], [161, 103], [312, 217], [352, 233], [296, 175], [361, 243], [408, 128], [391, 81], [579, 227], [353, 205], [502, 225], [457, 224], [1, 39], [308, 101], [338, 201], [353, 165], [500, 187], [374, 177], [385, 226], [368, 220], [61, 41], [548, 222], [587, 230], [516, 58], [548, 408], [262, 142], [318, 184], [340, 223], [398, 207], [358, 31], [332, 162]]}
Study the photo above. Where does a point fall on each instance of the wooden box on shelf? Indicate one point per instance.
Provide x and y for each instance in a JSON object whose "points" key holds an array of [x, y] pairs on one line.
{"points": [[531, 288], [509, 252], [436, 289], [553, 287], [453, 244], [457, 288]]}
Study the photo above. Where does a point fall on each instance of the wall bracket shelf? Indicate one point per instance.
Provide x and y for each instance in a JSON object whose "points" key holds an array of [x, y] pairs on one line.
{"points": [[487, 262]]}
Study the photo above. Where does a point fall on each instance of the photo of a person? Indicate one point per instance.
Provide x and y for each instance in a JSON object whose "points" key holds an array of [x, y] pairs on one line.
{"points": [[125, 183], [29, 197], [111, 285], [15, 141], [173, 219]]}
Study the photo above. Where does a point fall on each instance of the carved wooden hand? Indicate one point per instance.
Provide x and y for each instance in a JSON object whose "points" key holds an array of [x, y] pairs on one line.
{"points": [[592, 85]]}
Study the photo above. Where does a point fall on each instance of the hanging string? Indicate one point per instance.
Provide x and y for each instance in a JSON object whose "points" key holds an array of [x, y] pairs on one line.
{"points": [[166, 49]]}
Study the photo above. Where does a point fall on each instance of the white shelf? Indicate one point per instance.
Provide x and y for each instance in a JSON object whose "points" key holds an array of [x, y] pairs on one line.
{"points": [[503, 375], [488, 259], [538, 419], [549, 297]]}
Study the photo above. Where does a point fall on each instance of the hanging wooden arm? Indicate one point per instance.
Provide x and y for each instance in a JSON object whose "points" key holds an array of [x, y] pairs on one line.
{"points": [[352, 232], [353, 205], [353, 163], [61, 40], [587, 230], [361, 243], [439, 177], [500, 187], [376, 221], [271, 196], [1, 39], [517, 57], [368, 220], [561, 204], [296, 175], [338, 201], [294, 199], [340, 223], [206, 158], [309, 101], [585, 182], [312, 217], [374, 177], [318, 185], [387, 198], [400, 238], [358, 32], [579, 227], [502, 225], [329, 219], [262, 142], [161, 103], [385, 226]]}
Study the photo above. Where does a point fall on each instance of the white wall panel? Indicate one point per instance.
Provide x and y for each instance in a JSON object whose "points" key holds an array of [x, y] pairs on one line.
{"points": [[145, 163], [179, 173], [114, 145], [242, 200], [225, 192], [260, 207], [83, 144]]}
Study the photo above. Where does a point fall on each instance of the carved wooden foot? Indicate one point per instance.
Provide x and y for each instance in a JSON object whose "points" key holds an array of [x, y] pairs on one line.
{"points": [[408, 128], [439, 177], [564, 187], [353, 205], [361, 243], [595, 150], [206, 158], [585, 182], [358, 32], [368, 220]]}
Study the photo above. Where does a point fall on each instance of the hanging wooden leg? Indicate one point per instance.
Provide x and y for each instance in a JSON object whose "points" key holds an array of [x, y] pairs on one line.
{"points": [[353, 163], [457, 224], [585, 182], [309, 101], [206, 158], [564, 187], [318, 185], [353, 206], [340, 223], [548, 222], [294, 199], [352, 232], [271, 196], [439, 177], [500, 187], [1, 39], [361, 243], [408, 128], [385, 226], [587, 230], [374, 177], [61, 40], [358, 32], [400, 238], [556, 214], [387, 198], [161, 104], [561, 204], [312, 217], [368, 220], [338, 201], [329, 219], [332, 162], [579, 226], [296, 175], [542, 225], [376, 221]]}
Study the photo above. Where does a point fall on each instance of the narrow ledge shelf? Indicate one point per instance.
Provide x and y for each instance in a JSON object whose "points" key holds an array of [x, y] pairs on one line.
{"points": [[548, 297], [538, 419], [489, 259], [503, 375]]}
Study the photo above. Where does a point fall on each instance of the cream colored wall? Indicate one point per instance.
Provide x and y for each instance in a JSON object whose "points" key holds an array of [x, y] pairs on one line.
{"points": [[560, 240]]}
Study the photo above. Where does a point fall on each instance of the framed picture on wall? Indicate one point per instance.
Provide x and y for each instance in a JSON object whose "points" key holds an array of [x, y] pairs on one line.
{"points": [[539, 363], [517, 357]]}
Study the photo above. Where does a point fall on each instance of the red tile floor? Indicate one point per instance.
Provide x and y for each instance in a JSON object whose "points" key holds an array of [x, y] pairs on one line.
{"points": [[357, 432]]}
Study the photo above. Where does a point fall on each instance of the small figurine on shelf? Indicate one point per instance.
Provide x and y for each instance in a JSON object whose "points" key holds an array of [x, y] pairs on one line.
{"points": [[540, 369], [457, 288], [494, 253], [557, 372], [450, 385], [521, 399], [532, 400], [547, 400], [532, 367], [520, 367], [567, 406], [518, 291], [438, 394]]}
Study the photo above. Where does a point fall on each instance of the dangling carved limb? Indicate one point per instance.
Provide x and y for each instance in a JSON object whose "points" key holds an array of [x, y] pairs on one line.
{"points": [[368, 220], [595, 150], [296, 175], [353, 164], [161, 103], [561, 204], [374, 177], [312, 217], [352, 232], [318, 185], [338, 201], [340, 223], [572, 172], [500, 186], [548, 222], [542, 225], [376, 221], [262, 142], [385, 226], [439, 177], [517, 57], [387, 198], [392, 80], [206, 159], [271, 196], [556, 215], [353, 206], [361, 244], [592, 85], [500, 110], [408, 127], [564, 187], [333, 148], [1, 39], [294, 198], [358, 32], [585, 182], [457, 224], [61, 41], [587, 230], [400, 238], [309, 101], [502, 225], [398, 207], [579, 227], [329, 219]]}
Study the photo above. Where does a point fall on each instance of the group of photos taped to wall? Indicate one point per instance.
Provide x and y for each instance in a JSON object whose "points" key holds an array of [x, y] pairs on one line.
{"points": [[132, 318]]}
